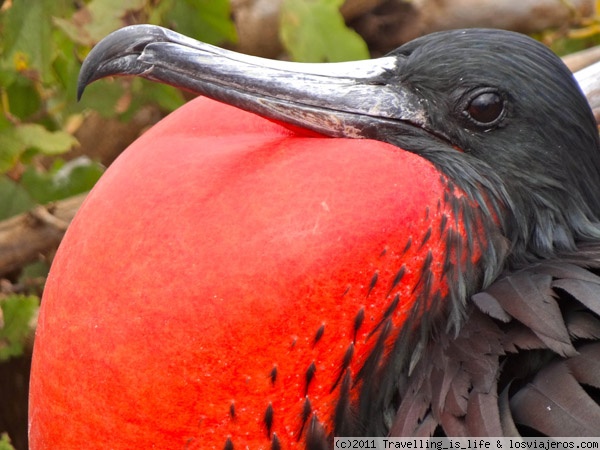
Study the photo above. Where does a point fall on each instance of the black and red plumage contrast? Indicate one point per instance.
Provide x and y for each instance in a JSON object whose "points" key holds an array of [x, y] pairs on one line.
{"points": [[444, 278]]}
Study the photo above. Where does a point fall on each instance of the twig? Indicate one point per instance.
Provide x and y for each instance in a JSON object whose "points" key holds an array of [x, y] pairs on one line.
{"points": [[25, 237], [579, 60]]}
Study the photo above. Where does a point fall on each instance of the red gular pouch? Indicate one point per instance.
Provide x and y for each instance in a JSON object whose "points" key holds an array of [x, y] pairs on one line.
{"points": [[234, 283]]}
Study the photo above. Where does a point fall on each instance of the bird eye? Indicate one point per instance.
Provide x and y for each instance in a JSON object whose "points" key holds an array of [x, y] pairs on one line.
{"points": [[485, 108]]}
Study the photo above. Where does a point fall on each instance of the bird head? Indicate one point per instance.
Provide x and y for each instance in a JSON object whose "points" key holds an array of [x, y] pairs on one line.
{"points": [[492, 97]]}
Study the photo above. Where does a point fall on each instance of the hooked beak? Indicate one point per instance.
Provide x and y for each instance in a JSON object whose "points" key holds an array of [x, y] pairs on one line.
{"points": [[349, 99]]}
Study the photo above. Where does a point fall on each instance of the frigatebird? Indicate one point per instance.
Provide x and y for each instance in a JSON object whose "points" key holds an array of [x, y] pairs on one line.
{"points": [[511, 346]]}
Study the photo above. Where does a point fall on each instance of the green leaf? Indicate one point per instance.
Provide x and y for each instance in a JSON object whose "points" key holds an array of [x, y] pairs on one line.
{"points": [[8, 73], [66, 66], [14, 199], [314, 31], [16, 326], [27, 34], [37, 269], [5, 442], [61, 181], [23, 98], [566, 45], [31, 136], [35, 136], [206, 20], [11, 148], [98, 18], [110, 15]]}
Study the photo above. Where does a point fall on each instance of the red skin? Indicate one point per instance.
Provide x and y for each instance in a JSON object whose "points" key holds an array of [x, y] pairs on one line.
{"points": [[210, 252]]}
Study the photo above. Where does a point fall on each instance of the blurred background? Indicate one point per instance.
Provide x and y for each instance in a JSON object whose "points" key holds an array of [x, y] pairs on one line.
{"points": [[53, 149]]}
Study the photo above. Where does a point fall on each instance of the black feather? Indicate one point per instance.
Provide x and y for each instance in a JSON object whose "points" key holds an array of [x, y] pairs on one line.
{"points": [[358, 321], [483, 415], [584, 291], [554, 401], [373, 282], [275, 444], [397, 278], [585, 367], [344, 420], [319, 334], [528, 298], [316, 436], [306, 414], [345, 363], [268, 419]]}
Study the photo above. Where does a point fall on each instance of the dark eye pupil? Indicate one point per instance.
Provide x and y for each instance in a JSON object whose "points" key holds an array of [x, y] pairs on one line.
{"points": [[486, 107]]}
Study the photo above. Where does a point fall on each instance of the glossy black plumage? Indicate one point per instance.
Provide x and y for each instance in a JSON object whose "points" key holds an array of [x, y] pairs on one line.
{"points": [[493, 378], [514, 347]]}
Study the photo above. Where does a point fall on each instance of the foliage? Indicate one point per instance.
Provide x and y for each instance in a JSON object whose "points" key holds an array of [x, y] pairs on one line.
{"points": [[17, 312], [570, 39], [5, 442], [314, 31], [40, 55]]}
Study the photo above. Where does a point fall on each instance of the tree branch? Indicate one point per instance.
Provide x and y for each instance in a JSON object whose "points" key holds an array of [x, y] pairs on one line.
{"points": [[25, 237], [589, 82]]}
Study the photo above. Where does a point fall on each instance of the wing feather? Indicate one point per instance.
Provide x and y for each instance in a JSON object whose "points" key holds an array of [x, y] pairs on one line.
{"points": [[556, 404], [529, 298]]}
